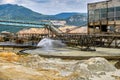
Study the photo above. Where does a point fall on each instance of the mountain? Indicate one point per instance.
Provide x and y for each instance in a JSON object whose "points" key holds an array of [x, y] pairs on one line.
{"points": [[77, 20], [64, 15], [16, 12], [9, 11]]}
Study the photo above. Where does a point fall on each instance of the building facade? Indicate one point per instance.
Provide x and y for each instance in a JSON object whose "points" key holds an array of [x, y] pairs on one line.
{"points": [[104, 16]]}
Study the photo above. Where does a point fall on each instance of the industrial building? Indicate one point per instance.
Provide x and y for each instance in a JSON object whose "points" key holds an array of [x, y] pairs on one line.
{"points": [[104, 17]]}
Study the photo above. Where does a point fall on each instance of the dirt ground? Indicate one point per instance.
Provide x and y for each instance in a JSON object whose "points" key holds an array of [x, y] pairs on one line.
{"points": [[34, 67]]}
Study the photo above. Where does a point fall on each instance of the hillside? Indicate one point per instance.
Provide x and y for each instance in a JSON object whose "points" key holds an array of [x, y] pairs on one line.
{"points": [[9, 11], [64, 15], [78, 20]]}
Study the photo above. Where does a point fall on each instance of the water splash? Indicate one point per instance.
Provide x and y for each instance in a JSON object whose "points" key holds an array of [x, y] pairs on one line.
{"points": [[50, 44]]}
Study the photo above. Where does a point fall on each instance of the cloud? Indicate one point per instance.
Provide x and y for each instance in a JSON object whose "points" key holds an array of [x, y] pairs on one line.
{"points": [[53, 6], [42, 1], [11, 2], [8, 1]]}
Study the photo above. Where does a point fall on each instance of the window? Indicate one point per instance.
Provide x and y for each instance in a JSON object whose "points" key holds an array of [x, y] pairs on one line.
{"points": [[117, 18], [103, 13], [117, 8], [111, 9]]}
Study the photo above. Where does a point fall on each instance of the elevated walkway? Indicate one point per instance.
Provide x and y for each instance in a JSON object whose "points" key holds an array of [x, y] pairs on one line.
{"points": [[32, 24], [23, 23]]}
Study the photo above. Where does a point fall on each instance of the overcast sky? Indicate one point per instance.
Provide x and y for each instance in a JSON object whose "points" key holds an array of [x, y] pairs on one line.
{"points": [[52, 6]]}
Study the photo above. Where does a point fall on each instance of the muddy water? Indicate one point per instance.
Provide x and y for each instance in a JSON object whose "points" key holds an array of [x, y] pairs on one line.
{"points": [[76, 52]]}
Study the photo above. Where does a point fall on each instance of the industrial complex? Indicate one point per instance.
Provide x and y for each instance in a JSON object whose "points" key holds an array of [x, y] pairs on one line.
{"points": [[104, 16]]}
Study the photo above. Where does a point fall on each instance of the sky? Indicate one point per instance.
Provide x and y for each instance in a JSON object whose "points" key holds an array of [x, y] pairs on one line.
{"points": [[51, 7]]}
